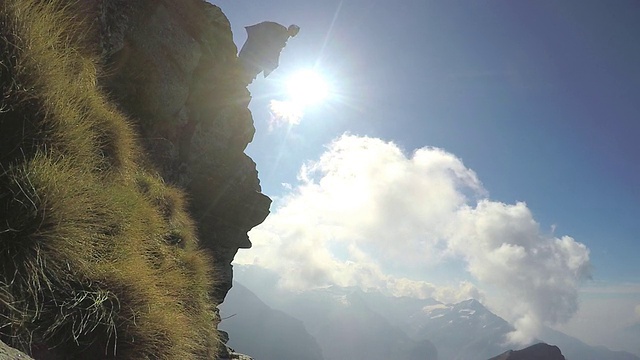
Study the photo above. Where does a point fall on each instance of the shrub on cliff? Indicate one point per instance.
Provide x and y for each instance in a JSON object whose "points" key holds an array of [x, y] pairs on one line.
{"points": [[98, 257]]}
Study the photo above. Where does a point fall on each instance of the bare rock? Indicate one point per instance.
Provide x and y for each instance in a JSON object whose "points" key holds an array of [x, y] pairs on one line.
{"points": [[173, 67], [9, 353]]}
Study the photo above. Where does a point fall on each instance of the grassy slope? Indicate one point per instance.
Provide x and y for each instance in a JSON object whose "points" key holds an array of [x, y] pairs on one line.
{"points": [[98, 257]]}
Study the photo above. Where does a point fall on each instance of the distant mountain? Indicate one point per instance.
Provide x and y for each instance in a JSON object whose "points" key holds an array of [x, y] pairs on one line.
{"points": [[631, 337], [395, 309], [344, 320], [466, 330], [574, 349], [478, 331], [539, 351], [347, 328], [264, 333], [628, 339]]}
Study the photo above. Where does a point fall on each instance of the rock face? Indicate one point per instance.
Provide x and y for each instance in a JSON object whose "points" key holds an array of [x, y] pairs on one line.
{"points": [[539, 351], [125, 191], [172, 66]]}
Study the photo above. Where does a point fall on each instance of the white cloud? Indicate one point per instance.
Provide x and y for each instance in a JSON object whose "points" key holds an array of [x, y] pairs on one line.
{"points": [[454, 294], [366, 211], [284, 113], [503, 247]]}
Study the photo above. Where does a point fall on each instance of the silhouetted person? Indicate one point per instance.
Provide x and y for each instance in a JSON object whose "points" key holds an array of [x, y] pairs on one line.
{"points": [[261, 51]]}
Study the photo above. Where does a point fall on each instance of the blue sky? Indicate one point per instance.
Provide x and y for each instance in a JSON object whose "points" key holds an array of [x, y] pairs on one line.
{"points": [[540, 99]]}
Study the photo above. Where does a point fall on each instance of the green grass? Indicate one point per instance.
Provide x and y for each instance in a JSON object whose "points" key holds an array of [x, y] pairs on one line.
{"points": [[98, 256]]}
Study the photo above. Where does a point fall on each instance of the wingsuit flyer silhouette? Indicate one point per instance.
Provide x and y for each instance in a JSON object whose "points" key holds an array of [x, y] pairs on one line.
{"points": [[261, 51]]}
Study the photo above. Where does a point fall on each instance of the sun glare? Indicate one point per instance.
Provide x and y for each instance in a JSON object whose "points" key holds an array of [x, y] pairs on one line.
{"points": [[306, 88], [303, 89]]}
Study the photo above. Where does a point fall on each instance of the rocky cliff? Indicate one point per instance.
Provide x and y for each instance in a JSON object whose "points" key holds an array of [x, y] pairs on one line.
{"points": [[124, 188], [171, 66]]}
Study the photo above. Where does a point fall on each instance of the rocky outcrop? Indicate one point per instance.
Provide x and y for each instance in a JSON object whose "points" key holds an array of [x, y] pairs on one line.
{"points": [[172, 66], [539, 351], [125, 191]]}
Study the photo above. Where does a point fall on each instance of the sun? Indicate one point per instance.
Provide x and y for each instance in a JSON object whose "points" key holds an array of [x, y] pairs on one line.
{"points": [[306, 88], [302, 90]]}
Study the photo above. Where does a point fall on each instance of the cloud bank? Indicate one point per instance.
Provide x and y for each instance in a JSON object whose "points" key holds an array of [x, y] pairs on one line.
{"points": [[366, 210]]}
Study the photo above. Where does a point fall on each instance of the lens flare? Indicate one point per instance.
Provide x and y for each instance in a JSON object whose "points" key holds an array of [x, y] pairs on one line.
{"points": [[307, 88]]}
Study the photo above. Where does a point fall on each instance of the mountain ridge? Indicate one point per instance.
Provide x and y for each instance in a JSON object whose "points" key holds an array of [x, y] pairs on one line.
{"points": [[466, 330]]}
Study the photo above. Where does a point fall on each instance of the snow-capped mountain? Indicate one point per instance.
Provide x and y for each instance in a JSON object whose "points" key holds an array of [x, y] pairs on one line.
{"points": [[466, 330]]}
